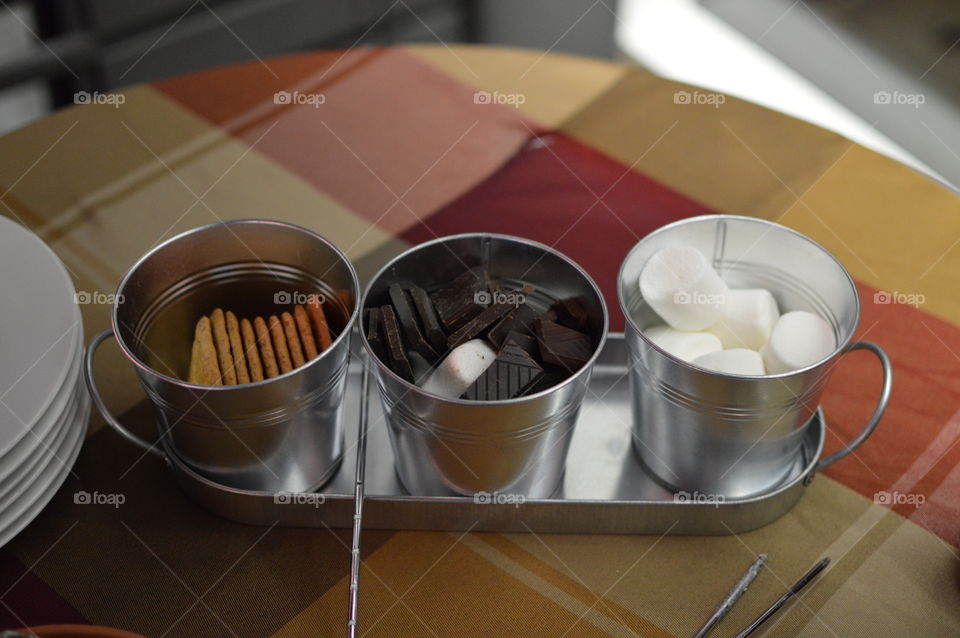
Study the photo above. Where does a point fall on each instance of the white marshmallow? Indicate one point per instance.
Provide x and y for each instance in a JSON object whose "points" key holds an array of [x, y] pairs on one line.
{"points": [[462, 367], [683, 288], [683, 345], [733, 361], [746, 319], [420, 366], [799, 339]]}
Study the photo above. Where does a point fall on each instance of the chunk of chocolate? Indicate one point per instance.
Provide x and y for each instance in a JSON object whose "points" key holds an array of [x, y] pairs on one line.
{"points": [[520, 319], [375, 334], [572, 313], [481, 322], [562, 346], [457, 302], [512, 371], [552, 375], [428, 319], [396, 356], [403, 307]]}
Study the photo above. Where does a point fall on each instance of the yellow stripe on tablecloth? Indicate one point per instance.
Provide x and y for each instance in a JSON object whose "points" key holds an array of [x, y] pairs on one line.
{"points": [[552, 87], [680, 581], [430, 572], [890, 226], [736, 157]]}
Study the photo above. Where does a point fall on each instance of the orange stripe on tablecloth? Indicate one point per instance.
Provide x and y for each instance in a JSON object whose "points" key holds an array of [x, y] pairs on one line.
{"points": [[393, 140], [926, 392]]}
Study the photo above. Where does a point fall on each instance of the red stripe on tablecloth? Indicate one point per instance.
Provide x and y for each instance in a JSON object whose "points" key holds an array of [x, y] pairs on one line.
{"points": [[548, 192], [552, 185], [34, 602], [390, 126]]}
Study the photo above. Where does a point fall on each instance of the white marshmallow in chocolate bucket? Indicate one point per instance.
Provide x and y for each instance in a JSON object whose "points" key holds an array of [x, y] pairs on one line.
{"points": [[683, 288], [460, 369]]}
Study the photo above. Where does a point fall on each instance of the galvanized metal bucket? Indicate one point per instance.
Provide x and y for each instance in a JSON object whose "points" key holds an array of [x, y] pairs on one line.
{"points": [[713, 433], [485, 448], [280, 434]]}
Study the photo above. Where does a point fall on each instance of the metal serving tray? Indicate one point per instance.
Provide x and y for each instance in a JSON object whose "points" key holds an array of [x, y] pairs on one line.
{"points": [[605, 489]]}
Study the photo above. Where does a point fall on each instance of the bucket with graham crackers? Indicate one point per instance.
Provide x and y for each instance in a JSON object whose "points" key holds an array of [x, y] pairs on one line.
{"points": [[240, 335]]}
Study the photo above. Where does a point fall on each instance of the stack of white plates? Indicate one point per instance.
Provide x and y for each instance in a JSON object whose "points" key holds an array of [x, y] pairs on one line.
{"points": [[44, 406]]}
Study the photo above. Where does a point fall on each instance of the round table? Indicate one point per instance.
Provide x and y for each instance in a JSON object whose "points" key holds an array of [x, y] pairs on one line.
{"points": [[381, 148]]}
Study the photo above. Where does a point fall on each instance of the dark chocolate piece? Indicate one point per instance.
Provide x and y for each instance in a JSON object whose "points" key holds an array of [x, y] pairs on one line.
{"points": [[375, 334], [552, 375], [512, 371], [459, 302], [520, 319], [481, 322], [562, 346], [428, 319], [397, 356], [414, 340], [572, 313]]}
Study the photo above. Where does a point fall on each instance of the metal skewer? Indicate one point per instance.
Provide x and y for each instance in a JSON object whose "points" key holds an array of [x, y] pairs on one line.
{"points": [[731, 598], [793, 591], [358, 506]]}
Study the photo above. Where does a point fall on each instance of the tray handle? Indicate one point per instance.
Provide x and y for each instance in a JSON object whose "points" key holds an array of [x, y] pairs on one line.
{"points": [[102, 406], [874, 419]]}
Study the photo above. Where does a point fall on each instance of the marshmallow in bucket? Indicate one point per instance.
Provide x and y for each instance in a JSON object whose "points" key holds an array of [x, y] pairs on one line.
{"points": [[683, 288], [730, 331]]}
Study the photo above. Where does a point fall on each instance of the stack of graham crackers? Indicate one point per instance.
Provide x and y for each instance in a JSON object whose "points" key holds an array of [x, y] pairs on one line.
{"points": [[228, 352]]}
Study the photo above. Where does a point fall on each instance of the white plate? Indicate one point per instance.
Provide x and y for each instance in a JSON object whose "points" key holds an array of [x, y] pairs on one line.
{"points": [[26, 448], [31, 502], [39, 330], [30, 470]]}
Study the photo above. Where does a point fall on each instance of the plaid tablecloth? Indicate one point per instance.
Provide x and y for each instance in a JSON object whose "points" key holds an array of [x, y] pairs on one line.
{"points": [[379, 149]]}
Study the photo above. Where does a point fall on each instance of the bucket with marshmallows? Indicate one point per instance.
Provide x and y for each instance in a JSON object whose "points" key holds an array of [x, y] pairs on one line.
{"points": [[733, 325]]}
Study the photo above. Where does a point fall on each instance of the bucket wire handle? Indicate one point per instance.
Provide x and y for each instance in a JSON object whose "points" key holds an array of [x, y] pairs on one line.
{"points": [[102, 406], [874, 419]]}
